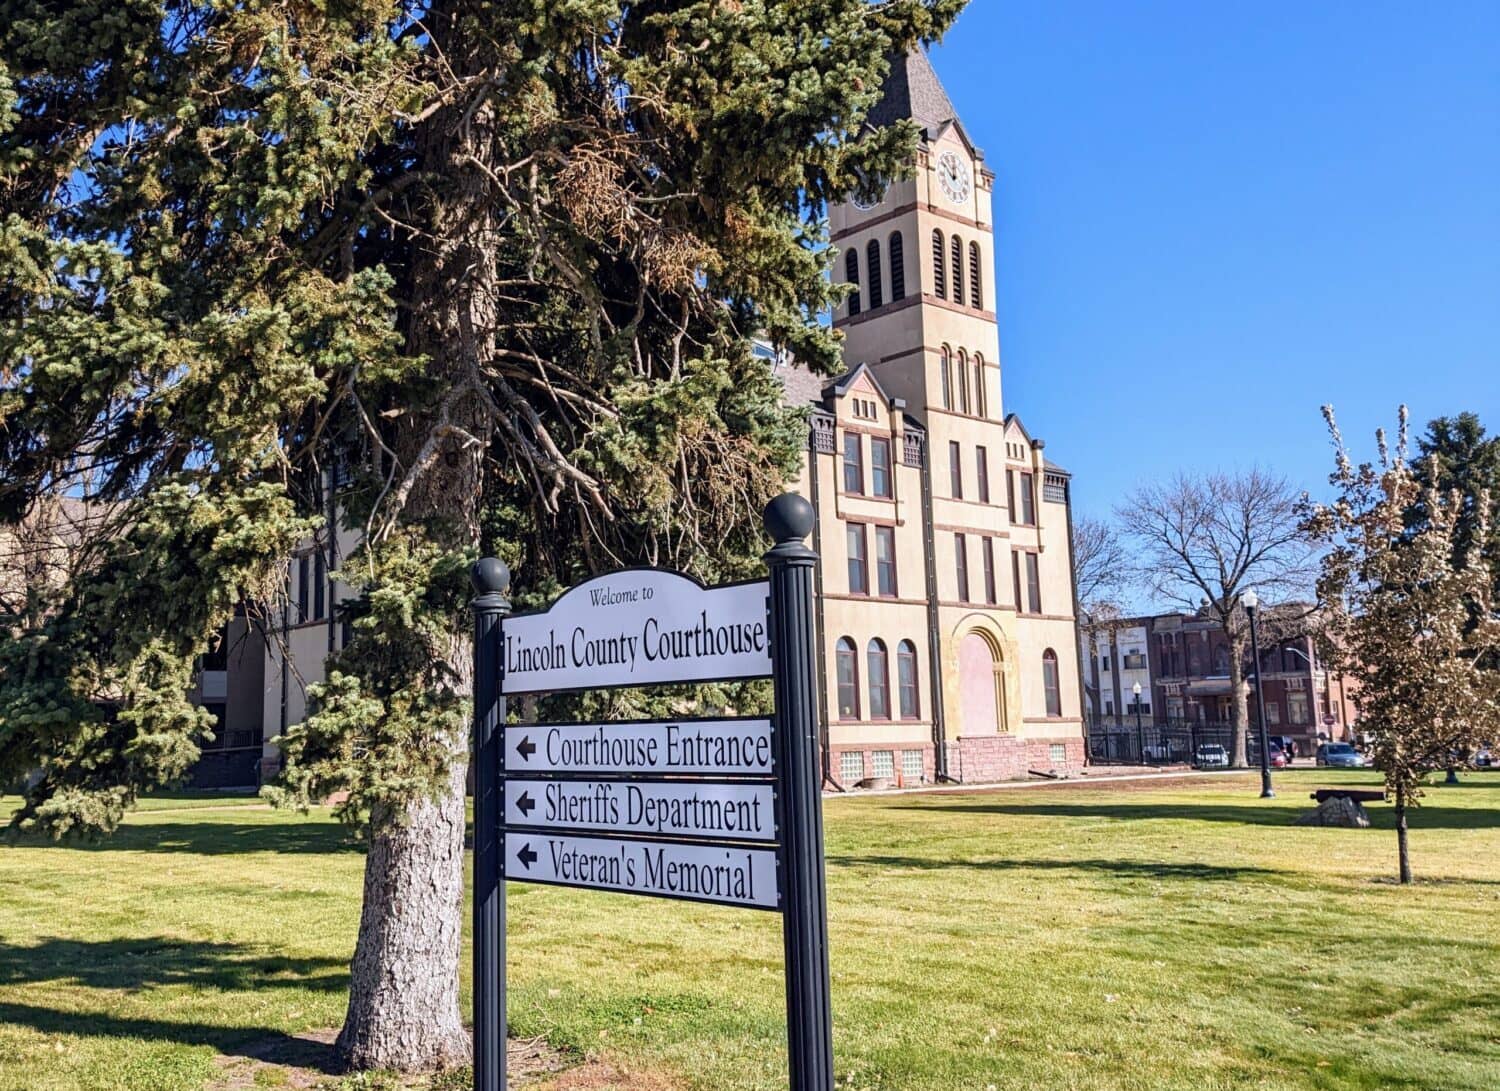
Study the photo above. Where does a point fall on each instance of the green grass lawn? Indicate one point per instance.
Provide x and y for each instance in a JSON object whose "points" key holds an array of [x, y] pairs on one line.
{"points": [[1178, 936]]}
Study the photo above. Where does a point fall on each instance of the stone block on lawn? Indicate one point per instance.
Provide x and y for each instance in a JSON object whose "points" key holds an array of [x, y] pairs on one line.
{"points": [[1337, 811]]}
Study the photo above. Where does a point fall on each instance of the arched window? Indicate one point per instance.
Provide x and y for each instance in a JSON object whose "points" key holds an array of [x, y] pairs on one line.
{"points": [[980, 408], [880, 680], [898, 268], [958, 270], [848, 674], [851, 274], [872, 272], [946, 364], [1049, 683], [906, 680], [939, 281], [961, 375], [976, 295]]}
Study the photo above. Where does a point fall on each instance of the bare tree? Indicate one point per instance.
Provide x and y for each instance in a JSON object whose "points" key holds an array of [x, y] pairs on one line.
{"points": [[1203, 541], [1101, 569]]}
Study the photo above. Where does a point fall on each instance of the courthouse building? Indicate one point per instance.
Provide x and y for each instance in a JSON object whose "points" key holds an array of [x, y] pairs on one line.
{"points": [[946, 607]]}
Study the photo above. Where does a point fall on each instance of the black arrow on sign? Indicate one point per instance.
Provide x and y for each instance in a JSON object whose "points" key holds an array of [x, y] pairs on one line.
{"points": [[526, 803], [526, 856], [526, 748]]}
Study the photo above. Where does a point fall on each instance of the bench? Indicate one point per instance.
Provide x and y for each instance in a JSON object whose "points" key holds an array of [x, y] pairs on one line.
{"points": [[1358, 795]]}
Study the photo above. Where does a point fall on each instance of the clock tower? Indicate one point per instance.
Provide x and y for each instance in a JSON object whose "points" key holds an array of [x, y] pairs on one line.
{"points": [[953, 560]]}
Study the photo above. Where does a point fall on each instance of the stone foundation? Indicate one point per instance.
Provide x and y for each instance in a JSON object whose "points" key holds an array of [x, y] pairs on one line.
{"points": [[976, 760]]}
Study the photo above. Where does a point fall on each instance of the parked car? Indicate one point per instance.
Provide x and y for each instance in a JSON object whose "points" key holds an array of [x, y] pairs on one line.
{"points": [[1482, 758], [1279, 760], [1339, 755], [1213, 756]]}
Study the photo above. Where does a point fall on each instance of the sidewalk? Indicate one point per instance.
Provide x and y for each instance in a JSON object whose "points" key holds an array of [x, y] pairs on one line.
{"points": [[1176, 773]]}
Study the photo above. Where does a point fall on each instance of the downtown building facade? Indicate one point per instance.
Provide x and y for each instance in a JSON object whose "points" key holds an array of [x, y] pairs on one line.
{"points": [[948, 647]]}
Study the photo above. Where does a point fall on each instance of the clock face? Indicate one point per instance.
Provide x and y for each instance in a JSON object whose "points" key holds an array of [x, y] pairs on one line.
{"points": [[864, 204], [953, 177]]}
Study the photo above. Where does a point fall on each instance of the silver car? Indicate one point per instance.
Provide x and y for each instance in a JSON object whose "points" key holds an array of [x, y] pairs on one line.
{"points": [[1340, 755]]}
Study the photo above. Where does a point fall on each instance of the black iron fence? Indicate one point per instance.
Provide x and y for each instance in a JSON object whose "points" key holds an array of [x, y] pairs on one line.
{"points": [[1121, 741]]}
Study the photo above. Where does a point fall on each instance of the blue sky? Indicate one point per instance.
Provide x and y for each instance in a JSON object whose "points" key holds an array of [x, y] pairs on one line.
{"points": [[1211, 218]]}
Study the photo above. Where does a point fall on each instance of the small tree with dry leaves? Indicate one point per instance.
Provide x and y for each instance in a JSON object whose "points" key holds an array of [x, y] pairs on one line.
{"points": [[1408, 615]]}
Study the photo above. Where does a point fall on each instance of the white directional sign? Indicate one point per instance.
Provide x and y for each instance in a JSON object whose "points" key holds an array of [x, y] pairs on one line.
{"points": [[711, 747], [704, 873], [636, 628], [667, 808]]}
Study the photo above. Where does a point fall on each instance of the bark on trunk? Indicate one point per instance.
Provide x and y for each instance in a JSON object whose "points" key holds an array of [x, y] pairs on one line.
{"points": [[1239, 701], [403, 1001], [403, 990], [1403, 855]]}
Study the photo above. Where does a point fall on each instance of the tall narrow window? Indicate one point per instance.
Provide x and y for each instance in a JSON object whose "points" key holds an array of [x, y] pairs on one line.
{"points": [[880, 466], [848, 674], [989, 571], [906, 680], [945, 361], [859, 572], [880, 680], [980, 401], [304, 600], [976, 296], [1033, 585], [1049, 683], [982, 471], [898, 268], [957, 269], [939, 281], [961, 565], [854, 464], [885, 561], [872, 272], [1015, 571], [1010, 494], [956, 470], [851, 274], [961, 377], [1028, 500], [320, 587]]}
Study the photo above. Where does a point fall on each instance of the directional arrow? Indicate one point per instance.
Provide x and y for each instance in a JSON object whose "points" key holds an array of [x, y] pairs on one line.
{"points": [[526, 804], [526, 856], [526, 748]]}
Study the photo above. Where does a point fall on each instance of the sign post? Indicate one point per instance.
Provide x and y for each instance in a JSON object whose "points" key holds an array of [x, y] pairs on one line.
{"points": [[727, 811], [491, 580], [789, 519]]}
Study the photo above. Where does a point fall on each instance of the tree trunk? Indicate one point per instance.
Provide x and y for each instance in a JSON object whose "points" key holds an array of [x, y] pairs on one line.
{"points": [[1239, 701], [403, 1002], [1403, 854], [403, 984]]}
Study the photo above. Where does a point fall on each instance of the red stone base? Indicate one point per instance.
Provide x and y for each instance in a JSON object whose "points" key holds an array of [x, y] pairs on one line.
{"points": [[970, 761], [1004, 757]]}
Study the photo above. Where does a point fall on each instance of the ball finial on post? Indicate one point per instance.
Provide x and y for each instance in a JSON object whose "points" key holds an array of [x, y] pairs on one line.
{"points": [[789, 518], [490, 576]]}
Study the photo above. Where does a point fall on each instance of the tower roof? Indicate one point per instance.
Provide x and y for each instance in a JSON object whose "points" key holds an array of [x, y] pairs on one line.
{"points": [[912, 90]]}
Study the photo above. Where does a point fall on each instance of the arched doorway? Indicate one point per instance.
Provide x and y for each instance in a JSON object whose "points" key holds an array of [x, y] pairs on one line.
{"points": [[981, 686]]}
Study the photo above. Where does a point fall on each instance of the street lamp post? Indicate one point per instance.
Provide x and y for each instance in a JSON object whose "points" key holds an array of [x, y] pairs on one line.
{"points": [[1140, 734], [1251, 602]]}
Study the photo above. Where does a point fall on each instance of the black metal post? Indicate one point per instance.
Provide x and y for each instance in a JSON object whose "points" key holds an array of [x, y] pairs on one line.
{"points": [[491, 580], [1140, 732], [1260, 710], [789, 519]]}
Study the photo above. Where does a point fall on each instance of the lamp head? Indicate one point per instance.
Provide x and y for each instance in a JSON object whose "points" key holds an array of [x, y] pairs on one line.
{"points": [[1250, 599], [1136, 689]]}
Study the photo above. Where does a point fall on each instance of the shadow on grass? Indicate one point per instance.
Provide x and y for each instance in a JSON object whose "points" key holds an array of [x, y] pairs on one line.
{"points": [[163, 833], [1143, 869], [1429, 816], [159, 960], [259, 1043]]}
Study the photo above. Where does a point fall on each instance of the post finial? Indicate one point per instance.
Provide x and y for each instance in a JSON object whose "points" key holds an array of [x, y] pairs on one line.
{"points": [[789, 518], [490, 576]]}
